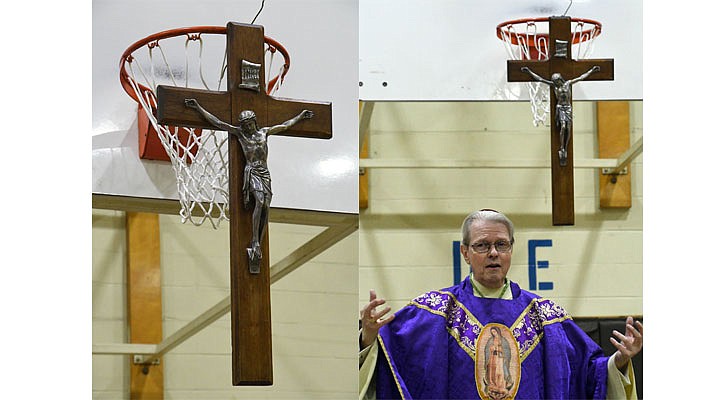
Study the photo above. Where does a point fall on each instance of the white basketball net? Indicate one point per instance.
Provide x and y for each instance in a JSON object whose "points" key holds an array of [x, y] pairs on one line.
{"points": [[199, 156], [532, 44]]}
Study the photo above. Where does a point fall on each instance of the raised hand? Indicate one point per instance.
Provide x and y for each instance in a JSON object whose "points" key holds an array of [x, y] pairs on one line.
{"points": [[372, 320], [629, 344]]}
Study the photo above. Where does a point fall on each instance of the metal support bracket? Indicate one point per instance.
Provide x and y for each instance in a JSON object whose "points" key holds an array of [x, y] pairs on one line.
{"points": [[625, 159], [140, 359], [611, 171]]}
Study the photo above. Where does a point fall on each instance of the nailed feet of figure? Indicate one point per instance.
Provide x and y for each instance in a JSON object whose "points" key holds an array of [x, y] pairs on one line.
{"points": [[562, 157], [255, 255]]}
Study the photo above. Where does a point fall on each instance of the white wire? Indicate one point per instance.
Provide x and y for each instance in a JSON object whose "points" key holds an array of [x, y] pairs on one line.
{"points": [[270, 64], [223, 69], [202, 75]]}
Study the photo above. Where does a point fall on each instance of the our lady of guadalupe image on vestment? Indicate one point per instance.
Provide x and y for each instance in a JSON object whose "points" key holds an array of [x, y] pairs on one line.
{"points": [[497, 366]]}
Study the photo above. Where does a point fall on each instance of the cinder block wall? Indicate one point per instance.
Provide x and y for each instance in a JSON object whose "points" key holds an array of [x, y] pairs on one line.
{"points": [[313, 313], [414, 215], [403, 248]]}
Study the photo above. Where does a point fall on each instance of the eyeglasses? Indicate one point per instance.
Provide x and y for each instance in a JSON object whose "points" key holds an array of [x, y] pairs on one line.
{"points": [[501, 246]]}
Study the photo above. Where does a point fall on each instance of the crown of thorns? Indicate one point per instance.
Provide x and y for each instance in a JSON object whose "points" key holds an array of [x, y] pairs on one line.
{"points": [[246, 115]]}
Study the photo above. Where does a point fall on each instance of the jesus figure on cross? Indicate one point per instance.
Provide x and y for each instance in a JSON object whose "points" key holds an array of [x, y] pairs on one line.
{"points": [[564, 113], [256, 180]]}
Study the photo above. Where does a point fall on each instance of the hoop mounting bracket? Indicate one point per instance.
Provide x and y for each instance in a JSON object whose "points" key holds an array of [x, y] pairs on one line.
{"points": [[613, 171], [140, 360]]}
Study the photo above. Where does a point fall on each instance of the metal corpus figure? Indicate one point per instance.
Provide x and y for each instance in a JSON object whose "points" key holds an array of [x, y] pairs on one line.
{"points": [[256, 179], [564, 112]]}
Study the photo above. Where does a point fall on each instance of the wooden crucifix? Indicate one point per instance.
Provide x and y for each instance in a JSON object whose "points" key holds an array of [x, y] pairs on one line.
{"points": [[560, 71], [252, 356]]}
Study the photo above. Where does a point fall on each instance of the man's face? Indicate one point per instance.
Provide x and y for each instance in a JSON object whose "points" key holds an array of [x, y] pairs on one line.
{"points": [[249, 124], [489, 268]]}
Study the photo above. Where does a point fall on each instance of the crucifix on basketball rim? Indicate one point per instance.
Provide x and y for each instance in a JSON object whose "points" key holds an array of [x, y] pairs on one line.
{"points": [[237, 110], [560, 71]]}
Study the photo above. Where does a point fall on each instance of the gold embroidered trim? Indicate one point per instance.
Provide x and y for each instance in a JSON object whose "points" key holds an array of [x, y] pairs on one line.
{"points": [[537, 311], [465, 343], [391, 367]]}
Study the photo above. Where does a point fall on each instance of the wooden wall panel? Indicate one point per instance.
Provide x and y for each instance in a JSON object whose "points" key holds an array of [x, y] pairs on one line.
{"points": [[613, 126], [144, 301]]}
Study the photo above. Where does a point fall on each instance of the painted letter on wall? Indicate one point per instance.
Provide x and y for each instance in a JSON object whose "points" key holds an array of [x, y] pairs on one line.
{"points": [[533, 263]]}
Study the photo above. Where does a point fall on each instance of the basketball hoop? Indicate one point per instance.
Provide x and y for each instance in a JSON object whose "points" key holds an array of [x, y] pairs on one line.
{"points": [[528, 39], [192, 58]]}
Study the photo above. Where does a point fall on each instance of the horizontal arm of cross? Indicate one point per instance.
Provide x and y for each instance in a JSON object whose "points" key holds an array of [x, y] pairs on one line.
{"points": [[172, 110], [568, 69], [318, 127]]}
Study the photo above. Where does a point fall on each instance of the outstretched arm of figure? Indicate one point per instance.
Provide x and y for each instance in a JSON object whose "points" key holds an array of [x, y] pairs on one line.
{"points": [[192, 103], [305, 114], [534, 76], [629, 344], [372, 320], [585, 74]]}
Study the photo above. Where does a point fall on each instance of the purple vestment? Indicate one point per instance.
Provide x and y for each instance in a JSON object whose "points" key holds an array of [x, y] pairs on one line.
{"points": [[429, 350]]}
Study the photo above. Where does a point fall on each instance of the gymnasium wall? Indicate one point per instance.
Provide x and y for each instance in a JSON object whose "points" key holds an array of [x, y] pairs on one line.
{"points": [[404, 247], [314, 318], [414, 215]]}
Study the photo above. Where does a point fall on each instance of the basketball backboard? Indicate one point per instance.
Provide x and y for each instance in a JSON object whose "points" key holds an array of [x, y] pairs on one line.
{"points": [[431, 50], [307, 174]]}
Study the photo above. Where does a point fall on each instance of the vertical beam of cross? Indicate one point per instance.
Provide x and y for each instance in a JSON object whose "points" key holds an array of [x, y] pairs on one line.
{"points": [[560, 61]]}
